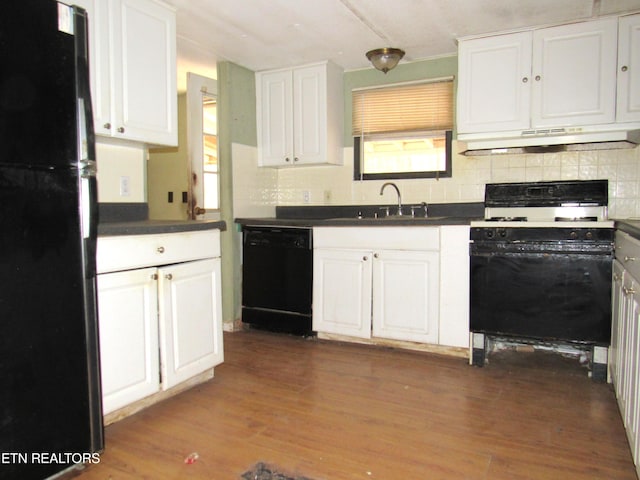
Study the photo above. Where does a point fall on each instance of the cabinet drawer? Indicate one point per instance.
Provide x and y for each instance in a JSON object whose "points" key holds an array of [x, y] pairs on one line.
{"points": [[371, 238], [628, 253], [136, 251]]}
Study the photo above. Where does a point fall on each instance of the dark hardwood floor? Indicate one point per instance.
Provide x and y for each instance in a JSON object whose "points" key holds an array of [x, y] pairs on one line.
{"points": [[328, 410]]}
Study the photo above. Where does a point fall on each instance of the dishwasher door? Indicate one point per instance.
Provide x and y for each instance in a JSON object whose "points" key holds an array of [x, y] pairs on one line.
{"points": [[277, 273]]}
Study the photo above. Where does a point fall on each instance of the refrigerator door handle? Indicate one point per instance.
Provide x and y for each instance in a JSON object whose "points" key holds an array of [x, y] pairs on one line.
{"points": [[86, 133]]}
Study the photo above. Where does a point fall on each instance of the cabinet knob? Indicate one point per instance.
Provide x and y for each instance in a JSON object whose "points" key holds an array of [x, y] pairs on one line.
{"points": [[160, 249], [616, 277], [295, 159], [120, 129], [365, 258], [538, 77], [287, 159], [168, 276], [624, 68], [107, 126], [628, 290], [154, 276], [525, 79], [629, 259], [199, 211], [375, 255]]}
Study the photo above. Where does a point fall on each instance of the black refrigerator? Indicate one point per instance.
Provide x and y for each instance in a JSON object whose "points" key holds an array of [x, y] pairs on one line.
{"points": [[50, 399]]}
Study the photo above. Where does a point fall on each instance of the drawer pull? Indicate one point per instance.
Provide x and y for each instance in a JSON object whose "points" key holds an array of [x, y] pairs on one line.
{"points": [[629, 259], [628, 290], [160, 249]]}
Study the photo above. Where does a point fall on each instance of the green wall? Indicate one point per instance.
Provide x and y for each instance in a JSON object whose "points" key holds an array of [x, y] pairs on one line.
{"points": [[236, 124], [404, 72]]}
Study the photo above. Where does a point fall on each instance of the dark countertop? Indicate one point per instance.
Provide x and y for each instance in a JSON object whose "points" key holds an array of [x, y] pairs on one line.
{"points": [[147, 227], [132, 219], [630, 226], [404, 221], [347, 215]]}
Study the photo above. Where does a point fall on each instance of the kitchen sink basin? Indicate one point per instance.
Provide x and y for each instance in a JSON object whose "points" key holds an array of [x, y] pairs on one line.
{"points": [[386, 219]]}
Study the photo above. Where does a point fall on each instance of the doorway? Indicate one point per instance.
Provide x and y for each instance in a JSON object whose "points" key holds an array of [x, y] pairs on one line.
{"points": [[202, 138]]}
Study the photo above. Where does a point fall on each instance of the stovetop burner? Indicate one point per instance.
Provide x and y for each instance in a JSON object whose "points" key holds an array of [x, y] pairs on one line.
{"points": [[565, 202], [507, 219], [576, 219]]}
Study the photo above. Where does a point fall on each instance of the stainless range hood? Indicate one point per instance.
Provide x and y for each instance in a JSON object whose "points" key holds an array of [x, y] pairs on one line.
{"points": [[602, 137]]}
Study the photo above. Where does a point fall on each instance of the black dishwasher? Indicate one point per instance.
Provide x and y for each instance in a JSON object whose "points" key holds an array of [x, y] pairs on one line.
{"points": [[277, 271]]}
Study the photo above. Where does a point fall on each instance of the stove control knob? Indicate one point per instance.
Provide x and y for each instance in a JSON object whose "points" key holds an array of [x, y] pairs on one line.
{"points": [[502, 233], [573, 235], [589, 236], [489, 233]]}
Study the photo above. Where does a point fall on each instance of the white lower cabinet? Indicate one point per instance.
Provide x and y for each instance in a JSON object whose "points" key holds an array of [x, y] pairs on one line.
{"points": [[454, 286], [405, 295], [159, 325], [624, 358], [377, 282], [128, 313], [190, 319], [342, 291]]}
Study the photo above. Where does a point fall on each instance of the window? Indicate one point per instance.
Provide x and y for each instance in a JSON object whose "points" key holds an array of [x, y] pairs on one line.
{"points": [[210, 150], [202, 139], [403, 130]]}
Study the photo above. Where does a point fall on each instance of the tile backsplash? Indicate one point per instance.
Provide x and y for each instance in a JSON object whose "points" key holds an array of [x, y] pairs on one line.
{"points": [[334, 185]]}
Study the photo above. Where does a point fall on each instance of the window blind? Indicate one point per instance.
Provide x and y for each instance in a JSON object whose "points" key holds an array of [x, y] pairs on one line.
{"points": [[403, 108]]}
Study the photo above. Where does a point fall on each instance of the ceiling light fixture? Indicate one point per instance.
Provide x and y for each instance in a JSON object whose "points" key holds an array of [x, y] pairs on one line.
{"points": [[384, 59]]}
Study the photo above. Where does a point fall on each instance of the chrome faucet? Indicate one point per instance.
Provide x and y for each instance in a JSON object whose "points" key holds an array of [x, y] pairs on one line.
{"points": [[425, 206], [397, 191]]}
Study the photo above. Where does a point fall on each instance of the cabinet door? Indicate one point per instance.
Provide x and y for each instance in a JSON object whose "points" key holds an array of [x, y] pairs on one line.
{"points": [[405, 295], [617, 325], [128, 323], [628, 107], [144, 72], [274, 97], [631, 415], [494, 83], [342, 292], [574, 74], [99, 62], [310, 114], [190, 319]]}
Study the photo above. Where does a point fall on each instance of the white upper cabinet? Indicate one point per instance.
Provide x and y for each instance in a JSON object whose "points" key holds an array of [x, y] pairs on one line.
{"points": [[557, 76], [494, 85], [132, 46], [628, 107], [574, 74], [300, 115]]}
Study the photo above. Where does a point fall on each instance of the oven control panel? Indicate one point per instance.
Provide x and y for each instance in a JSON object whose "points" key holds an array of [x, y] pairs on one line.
{"points": [[541, 234]]}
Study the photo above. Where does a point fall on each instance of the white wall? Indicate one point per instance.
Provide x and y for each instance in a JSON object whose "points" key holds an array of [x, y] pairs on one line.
{"points": [[257, 191], [120, 159]]}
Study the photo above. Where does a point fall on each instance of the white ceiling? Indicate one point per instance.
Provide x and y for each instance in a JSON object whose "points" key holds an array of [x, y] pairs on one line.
{"points": [[265, 34]]}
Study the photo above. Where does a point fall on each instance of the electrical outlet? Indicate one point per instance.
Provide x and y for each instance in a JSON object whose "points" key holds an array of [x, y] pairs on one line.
{"points": [[306, 196], [125, 187]]}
